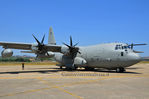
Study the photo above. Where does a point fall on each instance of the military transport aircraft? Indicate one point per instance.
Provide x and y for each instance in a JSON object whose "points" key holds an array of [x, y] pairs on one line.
{"points": [[112, 56]]}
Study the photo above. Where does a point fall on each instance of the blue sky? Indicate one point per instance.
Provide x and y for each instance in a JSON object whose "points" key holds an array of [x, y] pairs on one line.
{"points": [[87, 21]]}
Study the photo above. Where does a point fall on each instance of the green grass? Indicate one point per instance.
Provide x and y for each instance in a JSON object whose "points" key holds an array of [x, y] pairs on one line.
{"points": [[144, 62]]}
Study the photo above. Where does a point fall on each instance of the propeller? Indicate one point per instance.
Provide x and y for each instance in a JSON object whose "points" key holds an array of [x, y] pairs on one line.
{"points": [[73, 50], [40, 44], [132, 45]]}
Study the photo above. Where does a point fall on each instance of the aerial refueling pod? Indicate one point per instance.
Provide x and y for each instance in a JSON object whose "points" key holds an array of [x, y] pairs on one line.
{"points": [[7, 53]]}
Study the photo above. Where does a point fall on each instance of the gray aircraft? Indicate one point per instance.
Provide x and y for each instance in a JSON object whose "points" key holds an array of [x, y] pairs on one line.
{"points": [[112, 56]]}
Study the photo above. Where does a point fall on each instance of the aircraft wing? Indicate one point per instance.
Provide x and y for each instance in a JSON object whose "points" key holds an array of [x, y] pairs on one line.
{"points": [[28, 46], [13, 45], [53, 48]]}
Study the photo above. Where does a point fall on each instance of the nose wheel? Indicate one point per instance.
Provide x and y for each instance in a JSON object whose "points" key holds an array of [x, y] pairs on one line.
{"points": [[120, 70]]}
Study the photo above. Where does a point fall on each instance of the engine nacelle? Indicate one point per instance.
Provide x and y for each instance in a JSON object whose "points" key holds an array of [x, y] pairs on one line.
{"points": [[79, 61], [46, 55], [64, 50], [7, 53], [59, 57], [34, 47], [50, 54]]}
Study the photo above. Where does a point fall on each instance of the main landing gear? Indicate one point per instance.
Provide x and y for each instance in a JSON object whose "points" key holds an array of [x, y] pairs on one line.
{"points": [[61, 67], [89, 68], [70, 68], [120, 70]]}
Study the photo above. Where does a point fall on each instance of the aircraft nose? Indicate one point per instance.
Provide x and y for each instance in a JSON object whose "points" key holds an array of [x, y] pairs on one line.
{"points": [[134, 57]]}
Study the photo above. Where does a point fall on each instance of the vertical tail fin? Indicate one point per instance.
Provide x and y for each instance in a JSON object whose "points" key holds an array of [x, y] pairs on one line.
{"points": [[51, 39]]}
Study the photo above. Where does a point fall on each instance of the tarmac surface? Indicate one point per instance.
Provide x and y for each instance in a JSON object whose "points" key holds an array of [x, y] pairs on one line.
{"points": [[50, 82]]}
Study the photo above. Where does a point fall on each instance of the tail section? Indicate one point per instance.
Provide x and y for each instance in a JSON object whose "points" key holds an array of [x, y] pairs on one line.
{"points": [[51, 39]]}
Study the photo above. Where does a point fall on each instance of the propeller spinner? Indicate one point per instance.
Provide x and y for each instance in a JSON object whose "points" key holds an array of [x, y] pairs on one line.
{"points": [[73, 50], [40, 44]]}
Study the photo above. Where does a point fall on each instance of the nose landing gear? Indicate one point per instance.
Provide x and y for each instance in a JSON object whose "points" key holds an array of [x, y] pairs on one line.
{"points": [[120, 70]]}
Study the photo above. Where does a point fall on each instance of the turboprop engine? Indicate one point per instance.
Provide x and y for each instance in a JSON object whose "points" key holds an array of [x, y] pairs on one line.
{"points": [[49, 54], [34, 48], [69, 56], [7, 53], [78, 61], [65, 50]]}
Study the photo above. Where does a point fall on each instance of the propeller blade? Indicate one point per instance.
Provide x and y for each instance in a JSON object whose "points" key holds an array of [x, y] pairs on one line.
{"points": [[79, 52], [139, 44], [48, 54], [137, 51], [43, 39], [76, 44], [71, 44], [66, 45], [132, 45], [36, 40]]}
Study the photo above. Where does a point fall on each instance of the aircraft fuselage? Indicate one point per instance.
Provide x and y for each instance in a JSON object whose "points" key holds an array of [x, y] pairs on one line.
{"points": [[107, 56], [110, 56]]}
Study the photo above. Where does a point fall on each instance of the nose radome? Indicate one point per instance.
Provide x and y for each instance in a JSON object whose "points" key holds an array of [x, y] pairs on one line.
{"points": [[134, 56]]}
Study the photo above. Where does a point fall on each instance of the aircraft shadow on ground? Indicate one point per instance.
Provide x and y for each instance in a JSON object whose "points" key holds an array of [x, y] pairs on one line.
{"points": [[38, 70], [54, 70], [111, 71], [33, 71], [127, 72], [134, 68]]}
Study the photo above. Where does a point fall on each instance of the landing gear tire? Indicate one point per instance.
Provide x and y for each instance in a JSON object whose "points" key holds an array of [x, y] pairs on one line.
{"points": [[89, 68], [71, 68], [61, 67], [75, 67], [120, 70]]}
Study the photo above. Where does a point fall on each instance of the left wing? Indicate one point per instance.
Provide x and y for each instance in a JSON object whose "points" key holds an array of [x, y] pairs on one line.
{"points": [[28, 46], [53, 48], [13, 45]]}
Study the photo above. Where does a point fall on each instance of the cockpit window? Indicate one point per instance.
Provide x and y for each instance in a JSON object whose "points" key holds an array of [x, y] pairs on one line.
{"points": [[117, 47], [129, 47]]}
